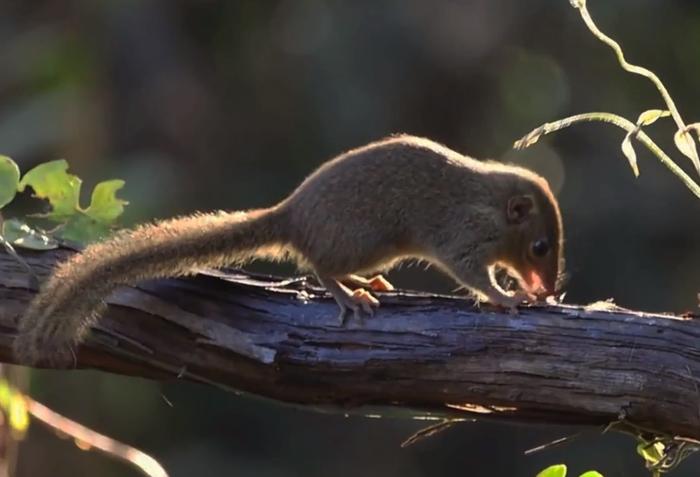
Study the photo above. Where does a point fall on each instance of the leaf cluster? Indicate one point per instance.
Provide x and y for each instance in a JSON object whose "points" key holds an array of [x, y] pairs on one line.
{"points": [[52, 183]]}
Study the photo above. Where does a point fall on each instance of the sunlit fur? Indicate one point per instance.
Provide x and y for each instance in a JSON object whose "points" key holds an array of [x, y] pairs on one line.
{"points": [[363, 211]]}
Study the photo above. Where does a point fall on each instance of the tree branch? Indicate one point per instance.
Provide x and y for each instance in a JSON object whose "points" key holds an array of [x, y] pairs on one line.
{"points": [[421, 354]]}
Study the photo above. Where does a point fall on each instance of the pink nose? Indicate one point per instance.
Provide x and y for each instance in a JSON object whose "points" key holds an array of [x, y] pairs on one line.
{"points": [[548, 288]]}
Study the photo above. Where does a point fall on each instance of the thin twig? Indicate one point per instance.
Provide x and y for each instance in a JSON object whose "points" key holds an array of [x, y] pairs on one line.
{"points": [[684, 141], [92, 439], [620, 122], [33, 279], [635, 69], [553, 443], [430, 431]]}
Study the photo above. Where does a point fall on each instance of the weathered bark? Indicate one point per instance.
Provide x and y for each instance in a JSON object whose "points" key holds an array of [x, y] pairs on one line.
{"points": [[281, 339]]}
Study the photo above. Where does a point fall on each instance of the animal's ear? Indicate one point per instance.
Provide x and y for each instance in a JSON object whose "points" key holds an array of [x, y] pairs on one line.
{"points": [[519, 208]]}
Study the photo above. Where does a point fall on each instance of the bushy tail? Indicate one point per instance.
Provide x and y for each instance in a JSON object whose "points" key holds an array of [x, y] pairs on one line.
{"points": [[73, 298]]}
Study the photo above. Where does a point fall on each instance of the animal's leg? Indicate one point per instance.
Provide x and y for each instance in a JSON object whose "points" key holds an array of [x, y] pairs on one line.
{"points": [[376, 283], [359, 301], [478, 276]]}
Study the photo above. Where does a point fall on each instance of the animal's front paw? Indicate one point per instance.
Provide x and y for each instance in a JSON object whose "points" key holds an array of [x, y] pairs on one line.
{"points": [[511, 302], [361, 302]]}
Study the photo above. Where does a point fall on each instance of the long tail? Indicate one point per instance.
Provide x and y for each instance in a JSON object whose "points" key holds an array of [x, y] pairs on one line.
{"points": [[73, 298]]}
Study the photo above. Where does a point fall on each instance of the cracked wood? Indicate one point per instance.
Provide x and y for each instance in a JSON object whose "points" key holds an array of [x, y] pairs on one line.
{"points": [[280, 338]]}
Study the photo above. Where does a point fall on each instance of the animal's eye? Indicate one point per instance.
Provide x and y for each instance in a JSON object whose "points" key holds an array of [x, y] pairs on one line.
{"points": [[540, 248]]}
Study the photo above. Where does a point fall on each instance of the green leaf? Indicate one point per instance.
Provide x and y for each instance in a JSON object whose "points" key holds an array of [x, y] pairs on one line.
{"points": [[22, 235], [83, 228], [685, 143], [52, 182], [652, 453], [9, 180], [553, 471], [651, 115], [629, 153], [104, 205], [591, 473]]}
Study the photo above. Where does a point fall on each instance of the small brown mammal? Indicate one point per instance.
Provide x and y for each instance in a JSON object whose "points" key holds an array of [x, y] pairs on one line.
{"points": [[361, 212]]}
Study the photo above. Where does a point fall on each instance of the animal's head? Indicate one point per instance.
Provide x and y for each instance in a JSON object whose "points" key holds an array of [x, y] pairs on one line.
{"points": [[535, 241]]}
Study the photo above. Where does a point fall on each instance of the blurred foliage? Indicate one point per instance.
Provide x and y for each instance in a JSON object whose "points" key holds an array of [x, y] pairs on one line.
{"points": [[560, 470], [14, 409], [219, 104], [9, 180]]}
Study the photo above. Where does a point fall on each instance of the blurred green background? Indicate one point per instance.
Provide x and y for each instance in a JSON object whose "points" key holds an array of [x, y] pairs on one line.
{"points": [[229, 104]]}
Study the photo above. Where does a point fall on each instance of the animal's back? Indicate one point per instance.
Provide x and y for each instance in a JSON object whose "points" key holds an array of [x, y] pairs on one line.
{"points": [[371, 197]]}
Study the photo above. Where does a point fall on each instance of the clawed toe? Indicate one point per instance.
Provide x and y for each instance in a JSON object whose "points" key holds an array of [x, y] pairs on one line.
{"points": [[376, 283], [379, 283], [364, 301], [360, 302], [511, 302]]}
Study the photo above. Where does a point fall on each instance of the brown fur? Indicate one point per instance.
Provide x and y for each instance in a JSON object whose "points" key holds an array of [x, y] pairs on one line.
{"points": [[362, 211]]}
